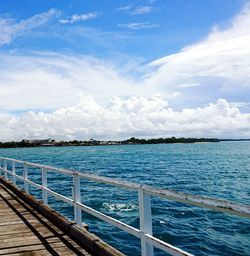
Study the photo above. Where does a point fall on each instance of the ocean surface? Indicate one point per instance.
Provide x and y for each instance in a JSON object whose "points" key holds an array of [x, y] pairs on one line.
{"points": [[219, 170]]}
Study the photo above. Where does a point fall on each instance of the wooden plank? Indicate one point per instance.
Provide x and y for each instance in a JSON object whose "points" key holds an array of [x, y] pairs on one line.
{"points": [[27, 241], [16, 234], [37, 247], [42, 252], [25, 217], [20, 227], [32, 243], [19, 241], [34, 240], [59, 251]]}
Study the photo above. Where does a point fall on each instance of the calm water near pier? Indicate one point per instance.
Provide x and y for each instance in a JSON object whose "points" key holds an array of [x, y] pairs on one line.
{"points": [[219, 170]]}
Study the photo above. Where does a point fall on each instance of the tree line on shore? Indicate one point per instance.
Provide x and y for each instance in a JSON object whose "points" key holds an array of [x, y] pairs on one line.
{"points": [[92, 142]]}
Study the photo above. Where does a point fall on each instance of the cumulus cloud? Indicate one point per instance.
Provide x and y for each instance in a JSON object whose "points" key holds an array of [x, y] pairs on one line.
{"points": [[121, 118], [10, 29], [218, 64], [139, 25], [80, 17]]}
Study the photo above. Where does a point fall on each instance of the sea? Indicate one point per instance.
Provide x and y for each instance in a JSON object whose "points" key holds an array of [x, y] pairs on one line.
{"points": [[218, 170]]}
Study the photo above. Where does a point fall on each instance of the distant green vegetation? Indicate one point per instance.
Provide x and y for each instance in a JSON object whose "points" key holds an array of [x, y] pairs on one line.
{"points": [[91, 142], [170, 140]]}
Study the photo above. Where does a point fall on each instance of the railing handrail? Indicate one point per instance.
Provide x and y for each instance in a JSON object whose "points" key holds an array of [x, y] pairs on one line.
{"points": [[144, 192], [202, 201]]}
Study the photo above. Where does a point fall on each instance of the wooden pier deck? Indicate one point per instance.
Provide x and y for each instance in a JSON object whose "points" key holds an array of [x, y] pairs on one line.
{"points": [[27, 230]]}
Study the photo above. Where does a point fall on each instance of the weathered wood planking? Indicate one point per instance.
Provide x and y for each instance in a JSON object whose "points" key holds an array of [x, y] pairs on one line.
{"points": [[28, 227], [24, 231]]}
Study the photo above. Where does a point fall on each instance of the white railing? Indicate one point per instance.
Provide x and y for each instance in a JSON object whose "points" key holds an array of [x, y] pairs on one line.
{"points": [[148, 241]]}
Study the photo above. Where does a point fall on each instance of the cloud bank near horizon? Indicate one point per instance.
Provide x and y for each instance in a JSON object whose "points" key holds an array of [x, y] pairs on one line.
{"points": [[136, 116]]}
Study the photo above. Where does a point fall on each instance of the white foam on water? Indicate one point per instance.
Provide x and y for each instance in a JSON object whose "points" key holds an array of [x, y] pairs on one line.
{"points": [[128, 207]]}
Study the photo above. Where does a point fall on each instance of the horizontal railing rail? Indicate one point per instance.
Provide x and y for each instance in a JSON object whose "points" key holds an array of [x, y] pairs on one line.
{"points": [[148, 241]]}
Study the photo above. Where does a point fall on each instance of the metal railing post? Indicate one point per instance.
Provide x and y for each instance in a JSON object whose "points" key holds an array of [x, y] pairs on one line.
{"points": [[5, 169], [45, 185], [25, 176], [145, 222], [14, 172], [77, 198]]}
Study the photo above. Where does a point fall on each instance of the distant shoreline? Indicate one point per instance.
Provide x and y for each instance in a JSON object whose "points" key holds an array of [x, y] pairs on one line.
{"points": [[92, 142]]}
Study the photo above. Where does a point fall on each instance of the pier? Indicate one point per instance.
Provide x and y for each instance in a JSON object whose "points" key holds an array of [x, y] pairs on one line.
{"points": [[30, 227]]}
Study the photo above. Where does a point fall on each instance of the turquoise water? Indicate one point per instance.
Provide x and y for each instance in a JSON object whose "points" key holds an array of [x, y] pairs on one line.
{"points": [[219, 170]]}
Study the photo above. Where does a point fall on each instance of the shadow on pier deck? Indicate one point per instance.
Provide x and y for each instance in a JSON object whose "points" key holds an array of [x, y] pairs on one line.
{"points": [[28, 227]]}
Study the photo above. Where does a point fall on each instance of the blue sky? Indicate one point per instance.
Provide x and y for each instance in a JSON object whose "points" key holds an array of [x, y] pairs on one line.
{"points": [[129, 68], [177, 24]]}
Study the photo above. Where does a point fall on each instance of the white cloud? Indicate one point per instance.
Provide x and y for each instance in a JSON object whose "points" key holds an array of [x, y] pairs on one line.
{"points": [[216, 67], [136, 10], [125, 8], [64, 21], [86, 16], [139, 25], [10, 29], [219, 64], [189, 85], [122, 118], [244, 106], [79, 17], [49, 81], [142, 10]]}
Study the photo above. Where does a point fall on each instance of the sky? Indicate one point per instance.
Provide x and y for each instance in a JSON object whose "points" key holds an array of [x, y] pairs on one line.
{"points": [[115, 69]]}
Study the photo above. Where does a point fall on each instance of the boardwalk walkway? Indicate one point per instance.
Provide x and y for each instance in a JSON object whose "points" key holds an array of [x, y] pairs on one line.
{"points": [[24, 231]]}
